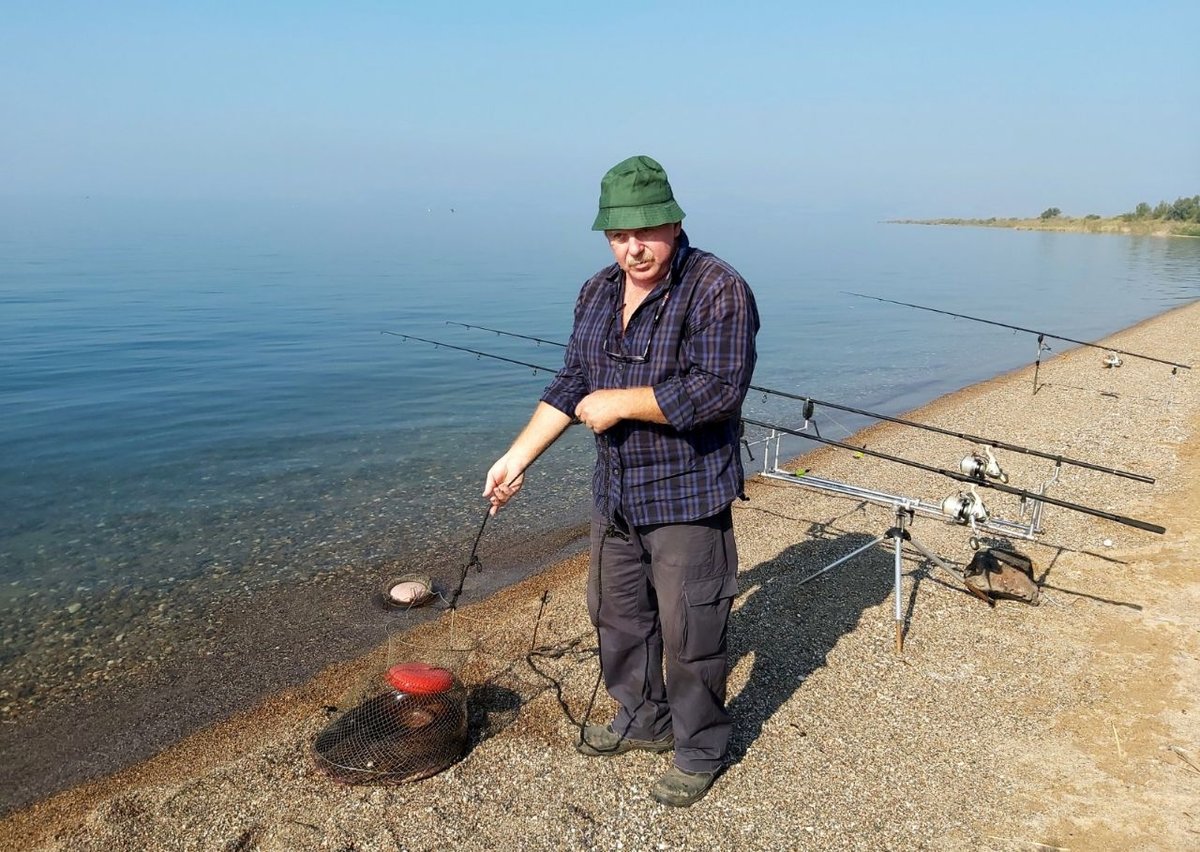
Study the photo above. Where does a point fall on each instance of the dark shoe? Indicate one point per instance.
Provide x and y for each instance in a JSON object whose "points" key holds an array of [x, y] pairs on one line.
{"points": [[680, 788], [603, 741]]}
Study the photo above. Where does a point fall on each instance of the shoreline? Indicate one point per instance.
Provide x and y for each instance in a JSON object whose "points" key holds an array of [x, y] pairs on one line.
{"points": [[1071, 224], [251, 772]]}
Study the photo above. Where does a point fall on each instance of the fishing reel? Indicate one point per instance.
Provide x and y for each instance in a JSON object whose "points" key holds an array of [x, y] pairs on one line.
{"points": [[979, 466], [966, 508], [1112, 359]]}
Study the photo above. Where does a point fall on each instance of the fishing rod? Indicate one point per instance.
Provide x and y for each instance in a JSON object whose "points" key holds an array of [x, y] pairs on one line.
{"points": [[992, 442], [475, 352], [955, 475], [962, 477], [810, 402], [1041, 335]]}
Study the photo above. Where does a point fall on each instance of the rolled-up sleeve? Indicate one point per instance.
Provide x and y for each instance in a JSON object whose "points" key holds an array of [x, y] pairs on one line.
{"points": [[567, 387], [719, 350], [569, 384]]}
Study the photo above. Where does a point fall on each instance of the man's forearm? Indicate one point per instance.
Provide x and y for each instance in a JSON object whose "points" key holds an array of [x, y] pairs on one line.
{"points": [[542, 430], [642, 404], [603, 409]]}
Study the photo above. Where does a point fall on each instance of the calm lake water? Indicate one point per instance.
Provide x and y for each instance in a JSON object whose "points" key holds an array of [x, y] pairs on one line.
{"points": [[201, 402]]}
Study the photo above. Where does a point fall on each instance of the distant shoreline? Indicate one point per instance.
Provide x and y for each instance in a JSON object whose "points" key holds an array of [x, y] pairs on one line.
{"points": [[1082, 225]]}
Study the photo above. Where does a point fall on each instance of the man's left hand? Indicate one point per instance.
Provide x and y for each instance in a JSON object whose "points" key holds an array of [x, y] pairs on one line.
{"points": [[602, 409]]}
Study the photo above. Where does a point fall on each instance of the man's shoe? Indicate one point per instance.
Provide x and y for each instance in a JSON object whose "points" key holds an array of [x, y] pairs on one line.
{"points": [[680, 788], [603, 741]]}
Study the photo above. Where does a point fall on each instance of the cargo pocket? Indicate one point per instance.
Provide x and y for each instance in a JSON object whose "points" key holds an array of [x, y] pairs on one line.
{"points": [[707, 601]]}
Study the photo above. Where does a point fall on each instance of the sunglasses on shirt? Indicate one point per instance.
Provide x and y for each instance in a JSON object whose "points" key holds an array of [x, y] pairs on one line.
{"points": [[622, 357]]}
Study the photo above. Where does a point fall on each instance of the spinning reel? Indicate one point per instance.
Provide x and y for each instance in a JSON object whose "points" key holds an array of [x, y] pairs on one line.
{"points": [[967, 508], [978, 466]]}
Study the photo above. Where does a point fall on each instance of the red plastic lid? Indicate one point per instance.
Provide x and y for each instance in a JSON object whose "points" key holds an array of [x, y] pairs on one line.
{"points": [[419, 678]]}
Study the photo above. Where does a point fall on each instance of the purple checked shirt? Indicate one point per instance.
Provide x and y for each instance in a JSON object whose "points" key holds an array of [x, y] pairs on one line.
{"points": [[697, 331]]}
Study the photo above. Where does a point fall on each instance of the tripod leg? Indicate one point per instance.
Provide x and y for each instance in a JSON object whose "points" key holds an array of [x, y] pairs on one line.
{"points": [[899, 614], [931, 556], [842, 559], [939, 562]]}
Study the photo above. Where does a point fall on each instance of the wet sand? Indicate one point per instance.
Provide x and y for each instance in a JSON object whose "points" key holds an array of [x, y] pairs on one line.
{"points": [[1068, 725]]}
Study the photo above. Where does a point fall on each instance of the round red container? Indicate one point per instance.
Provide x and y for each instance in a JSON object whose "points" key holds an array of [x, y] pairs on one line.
{"points": [[419, 678]]}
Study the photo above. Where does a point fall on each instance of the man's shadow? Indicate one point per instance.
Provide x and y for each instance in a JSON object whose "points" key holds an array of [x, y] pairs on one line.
{"points": [[790, 628]]}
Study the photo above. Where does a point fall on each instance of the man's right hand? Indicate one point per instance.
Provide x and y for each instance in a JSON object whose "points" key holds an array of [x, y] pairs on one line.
{"points": [[503, 482], [508, 473]]}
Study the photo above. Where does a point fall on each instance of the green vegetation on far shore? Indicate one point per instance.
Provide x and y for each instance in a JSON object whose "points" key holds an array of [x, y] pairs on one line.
{"points": [[1181, 219]]}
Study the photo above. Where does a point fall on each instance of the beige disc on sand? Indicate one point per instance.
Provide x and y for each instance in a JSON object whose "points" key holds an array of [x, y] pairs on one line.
{"points": [[410, 591]]}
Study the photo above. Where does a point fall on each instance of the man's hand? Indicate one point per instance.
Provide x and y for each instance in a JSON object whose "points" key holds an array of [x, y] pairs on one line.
{"points": [[505, 478], [503, 482], [602, 409]]}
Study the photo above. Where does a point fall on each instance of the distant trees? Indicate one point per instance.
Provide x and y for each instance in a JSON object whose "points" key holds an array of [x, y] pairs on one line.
{"points": [[1183, 210], [1186, 210]]}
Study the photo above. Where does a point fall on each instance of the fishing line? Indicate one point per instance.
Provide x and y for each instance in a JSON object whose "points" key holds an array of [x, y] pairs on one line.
{"points": [[610, 530], [811, 401], [472, 562], [1041, 335], [560, 650], [555, 652]]}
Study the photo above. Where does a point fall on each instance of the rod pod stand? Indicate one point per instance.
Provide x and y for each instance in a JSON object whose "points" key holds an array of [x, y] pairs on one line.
{"points": [[899, 534], [1037, 362]]}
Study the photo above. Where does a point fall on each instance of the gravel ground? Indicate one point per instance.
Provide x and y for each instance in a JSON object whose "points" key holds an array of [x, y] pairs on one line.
{"points": [[1069, 725]]}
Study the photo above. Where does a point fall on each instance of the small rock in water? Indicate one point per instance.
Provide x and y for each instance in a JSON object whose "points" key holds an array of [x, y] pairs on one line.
{"points": [[74, 608]]}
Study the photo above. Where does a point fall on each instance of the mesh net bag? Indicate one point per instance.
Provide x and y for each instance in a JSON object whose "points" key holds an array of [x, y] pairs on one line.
{"points": [[403, 724], [449, 683]]}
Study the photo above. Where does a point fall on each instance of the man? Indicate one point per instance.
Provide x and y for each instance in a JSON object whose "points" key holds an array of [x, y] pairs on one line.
{"points": [[658, 364]]}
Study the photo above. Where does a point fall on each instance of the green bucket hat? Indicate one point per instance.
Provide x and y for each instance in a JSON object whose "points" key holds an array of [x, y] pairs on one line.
{"points": [[635, 193]]}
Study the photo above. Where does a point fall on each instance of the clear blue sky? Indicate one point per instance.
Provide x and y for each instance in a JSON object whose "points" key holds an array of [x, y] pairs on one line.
{"points": [[940, 108]]}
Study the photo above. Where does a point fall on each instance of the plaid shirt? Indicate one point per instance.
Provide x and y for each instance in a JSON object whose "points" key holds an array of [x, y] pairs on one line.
{"points": [[697, 329]]}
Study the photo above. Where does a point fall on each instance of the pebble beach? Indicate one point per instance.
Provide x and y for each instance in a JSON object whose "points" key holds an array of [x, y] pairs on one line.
{"points": [[1073, 724]]}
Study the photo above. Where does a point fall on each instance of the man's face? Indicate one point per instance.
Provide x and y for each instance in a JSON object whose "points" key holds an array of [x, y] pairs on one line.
{"points": [[644, 253]]}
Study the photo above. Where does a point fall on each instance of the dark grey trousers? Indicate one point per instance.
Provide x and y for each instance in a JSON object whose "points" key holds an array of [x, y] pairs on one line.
{"points": [[660, 594]]}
